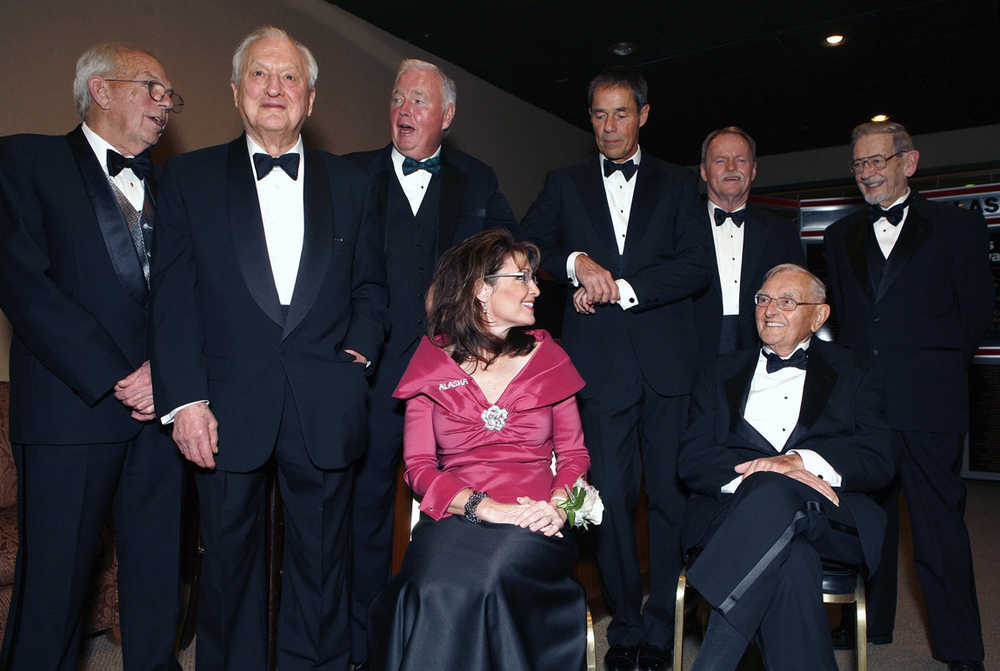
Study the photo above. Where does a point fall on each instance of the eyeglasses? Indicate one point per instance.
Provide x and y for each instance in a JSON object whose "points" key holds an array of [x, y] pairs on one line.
{"points": [[784, 303], [157, 91], [525, 277], [876, 162]]}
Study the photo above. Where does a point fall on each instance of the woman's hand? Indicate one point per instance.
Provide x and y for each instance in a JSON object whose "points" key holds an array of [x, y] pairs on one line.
{"points": [[527, 513], [541, 516]]}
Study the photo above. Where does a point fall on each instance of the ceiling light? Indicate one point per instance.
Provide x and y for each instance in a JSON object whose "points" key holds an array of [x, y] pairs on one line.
{"points": [[878, 118], [834, 40], [622, 48]]}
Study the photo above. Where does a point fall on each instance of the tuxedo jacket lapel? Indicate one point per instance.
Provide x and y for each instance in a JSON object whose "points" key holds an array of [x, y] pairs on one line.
{"points": [[109, 217], [248, 231], [915, 232], [452, 187], [644, 200], [737, 393], [857, 250], [590, 187], [737, 389], [753, 250], [317, 240], [819, 383]]}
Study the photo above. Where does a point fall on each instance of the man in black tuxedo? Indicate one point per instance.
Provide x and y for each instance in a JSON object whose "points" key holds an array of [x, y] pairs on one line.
{"points": [[624, 228], [912, 288], [74, 267], [747, 242], [267, 305], [429, 198], [784, 445]]}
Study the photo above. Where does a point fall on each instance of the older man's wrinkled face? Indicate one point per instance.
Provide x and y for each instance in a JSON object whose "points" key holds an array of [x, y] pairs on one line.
{"points": [[417, 113], [783, 331], [886, 186], [136, 121], [728, 170], [273, 97]]}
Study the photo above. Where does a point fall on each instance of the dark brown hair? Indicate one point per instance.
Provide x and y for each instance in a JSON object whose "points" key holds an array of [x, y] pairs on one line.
{"points": [[454, 314]]}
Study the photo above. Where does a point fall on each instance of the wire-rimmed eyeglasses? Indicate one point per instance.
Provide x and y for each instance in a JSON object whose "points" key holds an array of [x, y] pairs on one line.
{"points": [[783, 302], [157, 91], [525, 277], [877, 162]]}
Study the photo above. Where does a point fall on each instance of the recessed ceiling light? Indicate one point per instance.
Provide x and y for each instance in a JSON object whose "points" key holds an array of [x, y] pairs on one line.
{"points": [[834, 40], [623, 48], [878, 118]]}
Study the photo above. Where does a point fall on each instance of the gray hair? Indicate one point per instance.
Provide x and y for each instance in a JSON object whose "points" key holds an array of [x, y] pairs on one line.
{"points": [[729, 130], [818, 288], [901, 140], [100, 60], [449, 92], [239, 56]]}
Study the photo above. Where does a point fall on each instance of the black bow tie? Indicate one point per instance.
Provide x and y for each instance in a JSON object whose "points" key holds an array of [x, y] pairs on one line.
{"points": [[738, 217], [431, 165], [628, 168], [265, 163], [894, 214], [776, 363], [141, 165]]}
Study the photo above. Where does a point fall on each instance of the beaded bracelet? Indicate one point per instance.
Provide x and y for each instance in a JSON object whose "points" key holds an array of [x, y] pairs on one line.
{"points": [[472, 503]]}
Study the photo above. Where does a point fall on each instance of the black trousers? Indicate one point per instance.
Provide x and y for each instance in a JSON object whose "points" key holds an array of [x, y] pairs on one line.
{"points": [[313, 631], [64, 495], [627, 434], [929, 470], [372, 516], [761, 569]]}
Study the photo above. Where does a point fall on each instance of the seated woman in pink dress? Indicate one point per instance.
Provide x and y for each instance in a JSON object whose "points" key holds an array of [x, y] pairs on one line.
{"points": [[486, 579]]}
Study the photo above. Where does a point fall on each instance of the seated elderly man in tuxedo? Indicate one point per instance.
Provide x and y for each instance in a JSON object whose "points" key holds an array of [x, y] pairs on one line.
{"points": [[783, 446]]}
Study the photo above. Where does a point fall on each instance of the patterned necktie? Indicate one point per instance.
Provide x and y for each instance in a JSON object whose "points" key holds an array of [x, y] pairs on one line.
{"points": [[775, 363], [738, 217], [431, 165], [141, 165], [628, 168], [265, 163]]}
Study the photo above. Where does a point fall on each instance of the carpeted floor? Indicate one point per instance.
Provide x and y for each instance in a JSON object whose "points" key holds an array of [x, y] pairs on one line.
{"points": [[910, 651]]}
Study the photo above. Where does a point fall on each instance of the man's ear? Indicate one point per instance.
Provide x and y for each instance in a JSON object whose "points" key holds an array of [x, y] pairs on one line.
{"points": [[820, 317], [99, 91]]}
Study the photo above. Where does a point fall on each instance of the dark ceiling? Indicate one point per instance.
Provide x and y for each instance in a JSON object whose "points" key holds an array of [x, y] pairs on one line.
{"points": [[930, 64]]}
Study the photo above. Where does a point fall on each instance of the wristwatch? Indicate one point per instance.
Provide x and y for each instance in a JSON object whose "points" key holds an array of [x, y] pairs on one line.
{"points": [[472, 503]]}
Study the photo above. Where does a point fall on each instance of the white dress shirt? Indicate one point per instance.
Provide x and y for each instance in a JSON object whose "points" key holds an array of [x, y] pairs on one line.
{"points": [[728, 258], [415, 184], [282, 211], [619, 192], [886, 233], [773, 409], [127, 182]]}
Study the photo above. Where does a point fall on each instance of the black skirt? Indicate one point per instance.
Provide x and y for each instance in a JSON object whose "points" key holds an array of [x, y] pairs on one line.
{"points": [[479, 598]]}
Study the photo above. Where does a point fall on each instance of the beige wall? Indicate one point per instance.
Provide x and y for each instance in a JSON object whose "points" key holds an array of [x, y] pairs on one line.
{"points": [[194, 39]]}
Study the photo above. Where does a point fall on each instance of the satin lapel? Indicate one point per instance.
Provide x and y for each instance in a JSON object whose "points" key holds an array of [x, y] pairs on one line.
{"points": [[113, 228], [856, 250], [452, 188], [753, 249], [317, 240], [820, 380], [590, 187], [644, 199], [715, 288], [248, 230], [915, 232], [737, 390]]}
